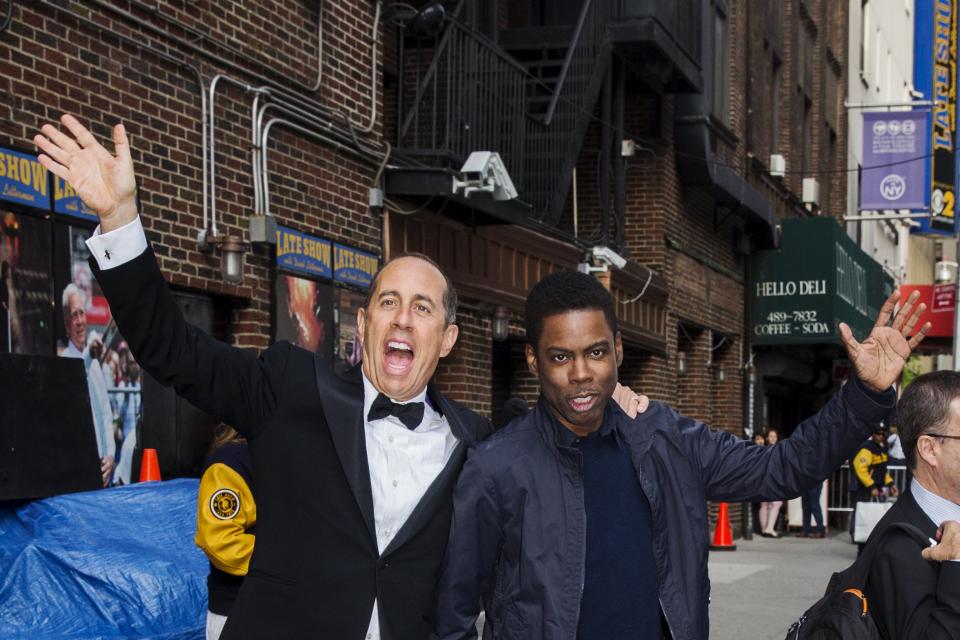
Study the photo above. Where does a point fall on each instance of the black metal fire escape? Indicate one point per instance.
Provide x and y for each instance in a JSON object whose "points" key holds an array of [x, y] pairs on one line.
{"points": [[531, 99]]}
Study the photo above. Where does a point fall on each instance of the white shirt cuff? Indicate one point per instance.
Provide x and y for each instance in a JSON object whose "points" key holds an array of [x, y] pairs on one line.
{"points": [[119, 246]]}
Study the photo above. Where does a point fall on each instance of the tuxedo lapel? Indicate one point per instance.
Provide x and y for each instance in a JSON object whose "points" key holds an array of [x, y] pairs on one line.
{"points": [[442, 486], [342, 400]]}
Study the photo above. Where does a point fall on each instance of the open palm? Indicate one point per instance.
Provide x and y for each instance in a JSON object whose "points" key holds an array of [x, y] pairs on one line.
{"points": [[879, 360], [104, 182]]}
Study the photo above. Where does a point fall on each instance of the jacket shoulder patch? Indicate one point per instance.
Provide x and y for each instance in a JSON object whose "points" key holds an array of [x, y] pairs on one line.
{"points": [[225, 504]]}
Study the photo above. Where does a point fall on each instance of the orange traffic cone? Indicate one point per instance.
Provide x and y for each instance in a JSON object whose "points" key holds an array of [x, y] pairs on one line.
{"points": [[149, 466], [722, 535]]}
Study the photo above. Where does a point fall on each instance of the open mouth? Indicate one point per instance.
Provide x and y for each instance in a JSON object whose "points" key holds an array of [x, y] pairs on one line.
{"points": [[583, 402], [398, 356]]}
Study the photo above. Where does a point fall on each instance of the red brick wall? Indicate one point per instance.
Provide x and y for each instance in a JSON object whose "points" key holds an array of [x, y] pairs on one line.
{"points": [[464, 375], [51, 62]]}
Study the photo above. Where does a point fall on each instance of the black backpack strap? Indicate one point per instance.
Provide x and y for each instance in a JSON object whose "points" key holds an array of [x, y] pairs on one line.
{"points": [[860, 570]]}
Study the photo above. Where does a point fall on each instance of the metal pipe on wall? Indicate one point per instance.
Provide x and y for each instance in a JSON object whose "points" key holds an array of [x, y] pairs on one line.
{"points": [[203, 36], [259, 174], [212, 154], [307, 132], [276, 86], [8, 17]]}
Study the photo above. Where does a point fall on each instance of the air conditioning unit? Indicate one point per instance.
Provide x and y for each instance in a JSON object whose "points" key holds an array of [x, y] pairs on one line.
{"points": [[811, 193], [778, 165]]}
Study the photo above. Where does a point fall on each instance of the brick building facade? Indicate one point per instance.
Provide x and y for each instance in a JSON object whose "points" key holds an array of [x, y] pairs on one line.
{"points": [[772, 85]]}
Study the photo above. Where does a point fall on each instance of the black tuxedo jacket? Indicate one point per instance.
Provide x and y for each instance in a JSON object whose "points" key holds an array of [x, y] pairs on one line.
{"points": [[315, 569], [912, 598]]}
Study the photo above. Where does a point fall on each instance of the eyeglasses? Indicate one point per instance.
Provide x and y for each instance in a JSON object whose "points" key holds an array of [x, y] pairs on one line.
{"points": [[940, 435]]}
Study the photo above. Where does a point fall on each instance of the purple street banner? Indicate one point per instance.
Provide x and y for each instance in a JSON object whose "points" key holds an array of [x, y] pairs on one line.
{"points": [[894, 160]]}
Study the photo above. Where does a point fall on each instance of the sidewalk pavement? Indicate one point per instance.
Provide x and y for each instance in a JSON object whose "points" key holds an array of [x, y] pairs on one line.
{"points": [[760, 589]]}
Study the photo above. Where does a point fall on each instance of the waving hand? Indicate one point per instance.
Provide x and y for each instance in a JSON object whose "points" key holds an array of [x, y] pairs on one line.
{"points": [[880, 358], [104, 182]]}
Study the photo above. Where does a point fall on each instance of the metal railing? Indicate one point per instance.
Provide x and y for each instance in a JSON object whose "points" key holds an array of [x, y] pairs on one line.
{"points": [[840, 499], [460, 92], [472, 96], [840, 502]]}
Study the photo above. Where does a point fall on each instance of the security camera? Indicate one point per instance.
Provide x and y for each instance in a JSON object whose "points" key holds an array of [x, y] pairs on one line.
{"points": [[484, 172], [609, 256]]}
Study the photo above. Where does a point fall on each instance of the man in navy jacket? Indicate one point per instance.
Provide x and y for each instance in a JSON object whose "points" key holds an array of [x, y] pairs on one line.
{"points": [[576, 521]]}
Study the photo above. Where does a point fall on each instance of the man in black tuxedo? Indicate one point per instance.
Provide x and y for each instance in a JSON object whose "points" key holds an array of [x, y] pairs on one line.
{"points": [[354, 475], [915, 593]]}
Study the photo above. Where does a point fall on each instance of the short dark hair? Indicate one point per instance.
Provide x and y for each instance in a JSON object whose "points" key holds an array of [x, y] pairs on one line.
{"points": [[562, 292], [450, 301], [925, 408]]}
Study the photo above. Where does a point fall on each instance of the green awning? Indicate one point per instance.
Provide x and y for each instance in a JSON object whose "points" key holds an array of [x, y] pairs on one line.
{"points": [[818, 278]]}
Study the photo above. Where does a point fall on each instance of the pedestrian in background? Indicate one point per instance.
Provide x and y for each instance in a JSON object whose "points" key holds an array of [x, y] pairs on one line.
{"points": [[770, 511], [758, 440], [810, 505], [226, 518]]}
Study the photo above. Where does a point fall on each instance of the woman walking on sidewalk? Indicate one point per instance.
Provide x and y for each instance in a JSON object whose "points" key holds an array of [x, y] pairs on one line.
{"points": [[769, 511]]}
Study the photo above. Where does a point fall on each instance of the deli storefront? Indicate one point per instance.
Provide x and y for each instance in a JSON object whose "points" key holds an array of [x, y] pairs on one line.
{"points": [[799, 294]]}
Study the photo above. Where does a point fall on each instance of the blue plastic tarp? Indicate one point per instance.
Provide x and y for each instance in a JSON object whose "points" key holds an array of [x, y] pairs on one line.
{"points": [[115, 563]]}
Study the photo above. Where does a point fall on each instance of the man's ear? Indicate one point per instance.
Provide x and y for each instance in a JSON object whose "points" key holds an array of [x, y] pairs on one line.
{"points": [[361, 321], [618, 348], [926, 451], [449, 339], [532, 365]]}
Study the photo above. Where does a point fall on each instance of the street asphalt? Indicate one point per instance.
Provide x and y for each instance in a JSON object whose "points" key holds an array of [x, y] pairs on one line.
{"points": [[760, 589]]}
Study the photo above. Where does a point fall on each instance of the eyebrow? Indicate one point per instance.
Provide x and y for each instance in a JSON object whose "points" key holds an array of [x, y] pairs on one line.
{"points": [[419, 297], [596, 345]]}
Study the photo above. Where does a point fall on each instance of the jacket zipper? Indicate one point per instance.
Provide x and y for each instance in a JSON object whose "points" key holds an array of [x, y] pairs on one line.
{"points": [[659, 572], [583, 543]]}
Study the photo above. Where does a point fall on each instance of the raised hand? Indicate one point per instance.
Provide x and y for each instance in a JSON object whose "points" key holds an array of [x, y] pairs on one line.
{"points": [[948, 543], [631, 402], [878, 360], [104, 182]]}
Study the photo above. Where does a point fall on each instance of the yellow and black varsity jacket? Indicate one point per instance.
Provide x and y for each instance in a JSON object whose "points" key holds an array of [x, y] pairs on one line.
{"points": [[870, 467], [226, 517]]}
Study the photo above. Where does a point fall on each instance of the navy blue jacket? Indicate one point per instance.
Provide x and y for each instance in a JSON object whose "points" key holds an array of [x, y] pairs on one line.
{"points": [[517, 540]]}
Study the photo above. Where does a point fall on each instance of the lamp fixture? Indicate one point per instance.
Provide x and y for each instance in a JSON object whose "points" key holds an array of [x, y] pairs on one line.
{"points": [[232, 249], [681, 363], [501, 324]]}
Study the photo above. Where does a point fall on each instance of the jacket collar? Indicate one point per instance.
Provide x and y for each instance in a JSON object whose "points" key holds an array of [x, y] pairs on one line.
{"points": [[342, 399]]}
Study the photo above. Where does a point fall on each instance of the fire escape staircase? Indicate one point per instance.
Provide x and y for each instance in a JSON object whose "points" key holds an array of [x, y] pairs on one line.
{"points": [[532, 101]]}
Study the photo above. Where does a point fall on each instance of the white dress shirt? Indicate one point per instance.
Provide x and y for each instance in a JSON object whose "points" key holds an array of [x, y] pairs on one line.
{"points": [[99, 399], [937, 509], [402, 462]]}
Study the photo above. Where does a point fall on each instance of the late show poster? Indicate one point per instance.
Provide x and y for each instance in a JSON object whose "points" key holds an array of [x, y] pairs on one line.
{"points": [[85, 329], [348, 342], [304, 313], [25, 291]]}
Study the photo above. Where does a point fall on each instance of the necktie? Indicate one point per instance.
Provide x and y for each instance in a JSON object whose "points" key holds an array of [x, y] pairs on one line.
{"points": [[410, 414]]}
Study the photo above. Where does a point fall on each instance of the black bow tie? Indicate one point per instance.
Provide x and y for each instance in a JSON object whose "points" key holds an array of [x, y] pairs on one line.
{"points": [[410, 414]]}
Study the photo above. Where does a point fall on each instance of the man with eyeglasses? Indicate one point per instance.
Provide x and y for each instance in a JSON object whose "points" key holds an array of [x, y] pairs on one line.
{"points": [[915, 593]]}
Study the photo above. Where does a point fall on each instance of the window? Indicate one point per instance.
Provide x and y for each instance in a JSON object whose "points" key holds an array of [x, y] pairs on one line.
{"points": [[720, 99]]}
